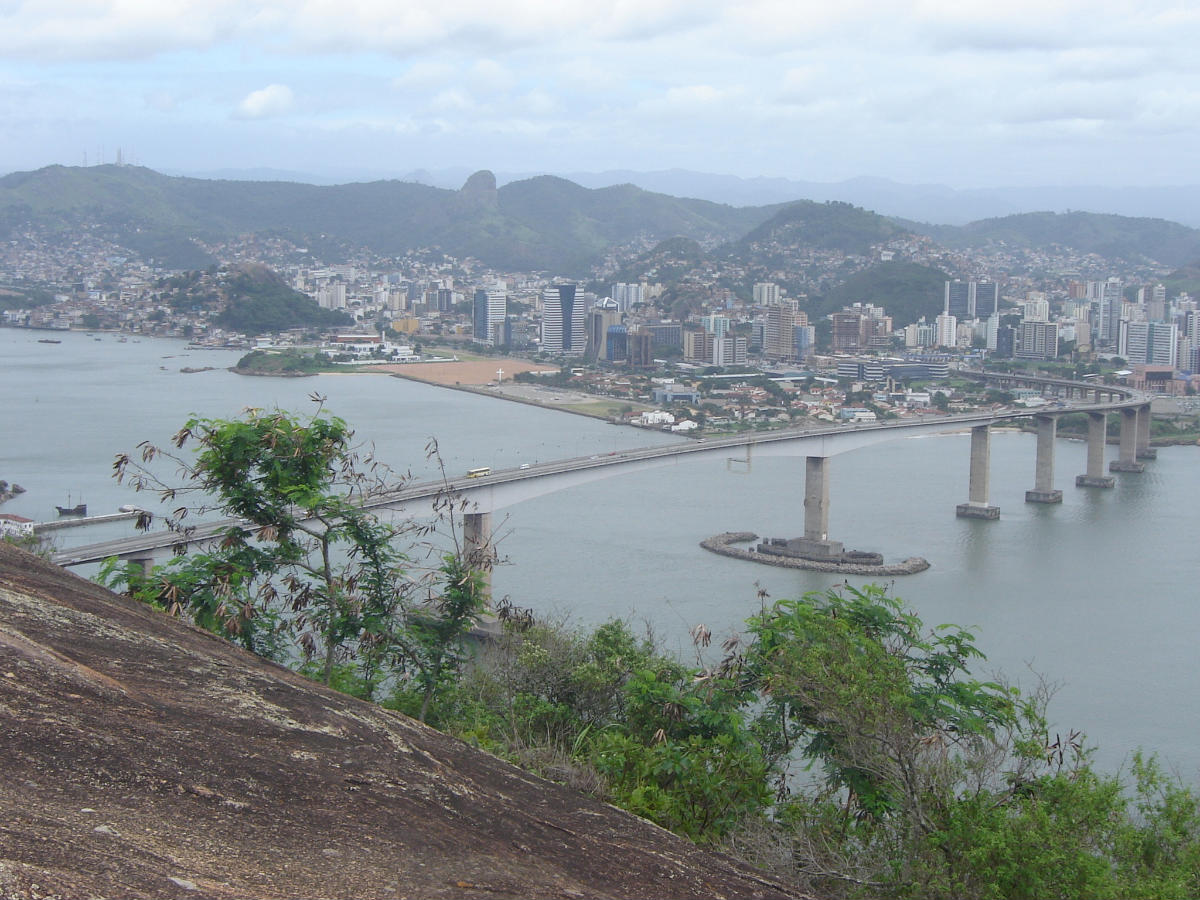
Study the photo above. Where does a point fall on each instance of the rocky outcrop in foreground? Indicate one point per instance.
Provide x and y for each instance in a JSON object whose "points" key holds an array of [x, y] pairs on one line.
{"points": [[145, 758]]}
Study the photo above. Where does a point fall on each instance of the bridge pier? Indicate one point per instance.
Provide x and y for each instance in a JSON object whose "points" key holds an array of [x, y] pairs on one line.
{"points": [[1043, 483], [1127, 460], [146, 562], [816, 544], [477, 548], [1144, 450], [1097, 437], [976, 506]]}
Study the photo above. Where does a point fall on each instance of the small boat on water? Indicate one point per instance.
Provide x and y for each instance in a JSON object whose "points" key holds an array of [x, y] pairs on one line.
{"points": [[48, 341]]}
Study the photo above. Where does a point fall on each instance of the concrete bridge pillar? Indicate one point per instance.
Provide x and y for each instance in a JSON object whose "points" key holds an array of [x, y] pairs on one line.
{"points": [[478, 549], [1144, 450], [816, 544], [146, 562], [1097, 437], [1043, 483], [1127, 460], [976, 506]]}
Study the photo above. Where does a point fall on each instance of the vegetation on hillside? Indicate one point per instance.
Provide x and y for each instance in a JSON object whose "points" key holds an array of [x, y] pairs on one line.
{"points": [[257, 300], [1111, 236], [906, 290], [24, 297], [537, 224], [839, 743], [304, 574], [284, 362], [823, 226]]}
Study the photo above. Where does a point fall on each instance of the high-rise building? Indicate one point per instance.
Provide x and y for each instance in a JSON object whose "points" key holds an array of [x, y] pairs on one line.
{"points": [[806, 341], [779, 337], [665, 334], [716, 325], [628, 295], [1156, 305], [563, 324], [987, 299], [957, 299], [970, 299], [704, 347], [600, 319], [1110, 297], [1134, 339], [766, 293], [641, 350], [616, 343], [489, 309], [1037, 309], [1038, 340], [1149, 343], [1162, 346], [947, 331]]}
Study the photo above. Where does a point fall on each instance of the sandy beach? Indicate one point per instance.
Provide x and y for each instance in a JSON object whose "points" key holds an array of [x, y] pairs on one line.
{"points": [[479, 376]]}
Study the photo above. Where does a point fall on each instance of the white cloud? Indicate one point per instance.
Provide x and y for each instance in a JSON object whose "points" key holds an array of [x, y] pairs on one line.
{"points": [[273, 100]]}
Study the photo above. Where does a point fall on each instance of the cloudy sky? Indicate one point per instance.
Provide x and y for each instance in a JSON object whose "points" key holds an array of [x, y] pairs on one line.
{"points": [[957, 92]]}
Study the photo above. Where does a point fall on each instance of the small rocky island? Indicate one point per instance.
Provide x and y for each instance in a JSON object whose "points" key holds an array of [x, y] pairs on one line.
{"points": [[8, 491], [792, 554]]}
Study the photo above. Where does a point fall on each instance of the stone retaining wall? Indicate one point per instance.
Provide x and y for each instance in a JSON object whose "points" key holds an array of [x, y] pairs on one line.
{"points": [[722, 544]]}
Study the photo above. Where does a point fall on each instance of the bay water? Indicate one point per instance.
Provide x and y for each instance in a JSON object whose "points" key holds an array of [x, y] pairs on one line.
{"points": [[1097, 596]]}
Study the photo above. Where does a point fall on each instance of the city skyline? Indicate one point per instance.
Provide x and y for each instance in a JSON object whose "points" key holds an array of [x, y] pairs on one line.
{"points": [[964, 95]]}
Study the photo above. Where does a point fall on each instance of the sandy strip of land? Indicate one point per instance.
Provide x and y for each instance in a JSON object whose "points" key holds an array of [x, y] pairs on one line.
{"points": [[468, 372]]}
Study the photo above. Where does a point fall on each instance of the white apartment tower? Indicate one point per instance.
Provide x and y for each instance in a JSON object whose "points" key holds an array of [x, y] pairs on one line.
{"points": [[564, 323]]}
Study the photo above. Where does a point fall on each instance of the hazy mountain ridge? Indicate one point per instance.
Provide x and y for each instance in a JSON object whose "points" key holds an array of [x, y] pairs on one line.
{"points": [[934, 203], [544, 223], [1105, 234]]}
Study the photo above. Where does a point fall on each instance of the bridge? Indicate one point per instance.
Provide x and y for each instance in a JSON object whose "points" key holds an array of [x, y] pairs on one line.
{"points": [[498, 490]]}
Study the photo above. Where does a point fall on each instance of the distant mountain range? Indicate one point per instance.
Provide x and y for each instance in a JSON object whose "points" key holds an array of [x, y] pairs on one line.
{"points": [[543, 223], [936, 204]]}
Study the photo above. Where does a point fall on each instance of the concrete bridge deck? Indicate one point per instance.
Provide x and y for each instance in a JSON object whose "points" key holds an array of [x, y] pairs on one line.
{"points": [[503, 488]]}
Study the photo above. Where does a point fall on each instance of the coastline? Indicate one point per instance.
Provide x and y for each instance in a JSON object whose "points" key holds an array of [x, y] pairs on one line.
{"points": [[500, 395]]}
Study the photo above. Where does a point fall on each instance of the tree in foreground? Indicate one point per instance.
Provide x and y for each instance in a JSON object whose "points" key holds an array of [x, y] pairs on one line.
{"points": [[842, 745], [300, 569]]}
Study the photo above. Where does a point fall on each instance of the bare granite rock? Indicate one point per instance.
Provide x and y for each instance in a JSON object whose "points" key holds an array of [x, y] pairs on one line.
{"points": [[145, 758]]}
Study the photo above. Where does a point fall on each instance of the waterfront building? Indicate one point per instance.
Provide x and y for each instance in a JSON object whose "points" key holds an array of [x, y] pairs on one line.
{"points": [[616, 343], [489, 310], [641, 349], [563, 323], [600, 319]]}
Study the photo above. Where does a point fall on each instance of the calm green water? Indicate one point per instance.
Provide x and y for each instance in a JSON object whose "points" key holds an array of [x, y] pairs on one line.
{"points": [[1098, 595]]}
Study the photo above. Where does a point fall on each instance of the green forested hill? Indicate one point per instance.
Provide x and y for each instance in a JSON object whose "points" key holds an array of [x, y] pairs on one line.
{"points": [[542, 223], [822, 226], [1114, 237], [906, 290]]}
